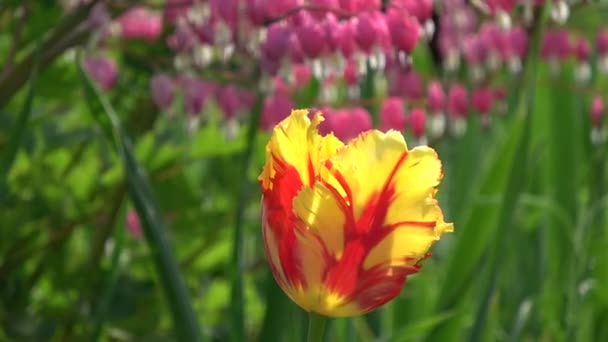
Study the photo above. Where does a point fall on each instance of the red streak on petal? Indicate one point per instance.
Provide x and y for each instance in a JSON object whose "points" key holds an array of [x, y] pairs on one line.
{"points": [[422, 224], [311, 172], [341, 180], [280, 218], [380, 284], [372, 220], [343, 277]]}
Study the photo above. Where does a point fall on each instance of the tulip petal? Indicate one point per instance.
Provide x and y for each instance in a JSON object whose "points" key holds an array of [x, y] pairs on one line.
{"points": [[394, 205], [296, 142], [323, 213], [367, 163]]}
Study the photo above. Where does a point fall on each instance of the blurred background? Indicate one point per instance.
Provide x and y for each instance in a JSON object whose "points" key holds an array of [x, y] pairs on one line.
{"points": [[132, 134]]}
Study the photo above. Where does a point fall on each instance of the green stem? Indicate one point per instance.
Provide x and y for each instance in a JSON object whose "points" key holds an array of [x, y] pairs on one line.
{"points": [[316, 327], [237, 296]]}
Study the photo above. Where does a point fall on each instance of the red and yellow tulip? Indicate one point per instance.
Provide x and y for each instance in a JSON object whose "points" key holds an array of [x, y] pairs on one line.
{"points": [[344, 225]]}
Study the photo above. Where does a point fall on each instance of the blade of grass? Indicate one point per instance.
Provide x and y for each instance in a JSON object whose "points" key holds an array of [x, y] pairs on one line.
{"points": [[515, 184], [237, 299], [479, 222], [112, 281], [418, 328], [185, 320], [17, 133]]}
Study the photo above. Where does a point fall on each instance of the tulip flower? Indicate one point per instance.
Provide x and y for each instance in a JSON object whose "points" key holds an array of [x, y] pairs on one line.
{"points": [[344, 225]]}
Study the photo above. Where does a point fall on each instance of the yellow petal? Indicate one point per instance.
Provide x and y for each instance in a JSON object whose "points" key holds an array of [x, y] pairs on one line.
{"points": [[366, 164], [323, 213], [404, 246], [296, 142]]}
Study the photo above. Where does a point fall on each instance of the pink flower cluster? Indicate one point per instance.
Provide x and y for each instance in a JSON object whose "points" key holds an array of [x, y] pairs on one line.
{"points": [[324, 33], [230, 98], [336, 42]]}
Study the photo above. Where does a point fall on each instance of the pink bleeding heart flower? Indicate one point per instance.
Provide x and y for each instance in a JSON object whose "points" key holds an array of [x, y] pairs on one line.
{"points": [[518, 42], [597, 111], [408, 84], [196, 94], [226, 10], [346, 124], [555, 45], [323, 4], [422, 10], [183, 39], [232, 99], [392, 114], [163, 90], [277, 40], [496, 39], [366, 33], [269, 66], [482, 99], [302, 74], [404, 30], [278, 8], [601, 42], [418, 122], [176, 9], [140, 23], [205, 32], [345, 39], [356, 6], [103, 70], [458, 100], [294, 48], [436, 97], [475, 49], [311, 35], [331, 25], [361, 121], [276, 108], [582, 49], [500, 5]]}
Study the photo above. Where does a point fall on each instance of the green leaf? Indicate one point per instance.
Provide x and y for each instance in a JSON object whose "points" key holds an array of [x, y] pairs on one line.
{"points": [[184, 317], [237, 262], [16, 137]]}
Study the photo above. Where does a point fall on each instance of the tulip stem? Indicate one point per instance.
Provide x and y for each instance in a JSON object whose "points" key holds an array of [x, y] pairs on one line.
{"points": [[316, 327]]}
